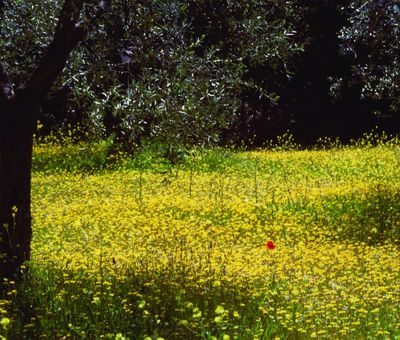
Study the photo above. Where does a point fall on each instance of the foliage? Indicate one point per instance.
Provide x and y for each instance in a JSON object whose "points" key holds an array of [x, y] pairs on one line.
{"points": [[25, 32], [184, 81], [159, 70], [199, 72], [372, 40]]}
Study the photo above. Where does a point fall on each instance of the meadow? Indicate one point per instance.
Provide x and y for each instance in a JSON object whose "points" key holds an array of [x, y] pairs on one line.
{"points": [[270, 244]]}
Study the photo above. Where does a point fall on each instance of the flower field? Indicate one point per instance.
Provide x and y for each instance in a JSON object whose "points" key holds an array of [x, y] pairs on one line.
{"points": [[289, 244]]}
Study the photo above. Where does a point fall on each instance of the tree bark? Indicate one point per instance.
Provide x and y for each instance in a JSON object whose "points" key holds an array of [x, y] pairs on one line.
{"points": [[15, 187]]}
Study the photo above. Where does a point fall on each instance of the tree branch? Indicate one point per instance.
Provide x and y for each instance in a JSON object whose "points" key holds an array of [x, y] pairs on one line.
{"points": [[6, 88], [68, 34]]}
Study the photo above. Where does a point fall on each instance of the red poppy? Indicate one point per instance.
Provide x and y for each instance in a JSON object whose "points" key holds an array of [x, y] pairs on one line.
{"points": [[270, 245]]}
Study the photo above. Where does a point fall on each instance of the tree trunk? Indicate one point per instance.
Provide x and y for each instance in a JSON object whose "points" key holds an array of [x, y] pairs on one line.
{"points": [[17, 117], [16, 135]]}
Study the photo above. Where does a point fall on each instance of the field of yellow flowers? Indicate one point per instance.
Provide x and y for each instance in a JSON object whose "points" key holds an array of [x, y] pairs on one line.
{"points": [[289, 244]]}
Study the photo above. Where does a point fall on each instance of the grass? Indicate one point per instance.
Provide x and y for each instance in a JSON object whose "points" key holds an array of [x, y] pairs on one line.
{"points": [[143, 248]]}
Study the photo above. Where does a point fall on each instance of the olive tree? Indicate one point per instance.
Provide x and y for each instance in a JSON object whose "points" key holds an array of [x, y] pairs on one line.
{"points": [[18, 110]]}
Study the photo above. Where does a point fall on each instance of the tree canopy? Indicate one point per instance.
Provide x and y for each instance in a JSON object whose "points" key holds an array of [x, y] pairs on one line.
{"points": [[198, 72]]}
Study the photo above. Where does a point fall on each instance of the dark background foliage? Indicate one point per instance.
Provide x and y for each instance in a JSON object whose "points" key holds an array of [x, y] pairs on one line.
{"points": [[217, 71]]}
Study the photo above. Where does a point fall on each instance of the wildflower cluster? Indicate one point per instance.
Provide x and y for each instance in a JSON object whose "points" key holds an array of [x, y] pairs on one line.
{"points": [[300, 244]]}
